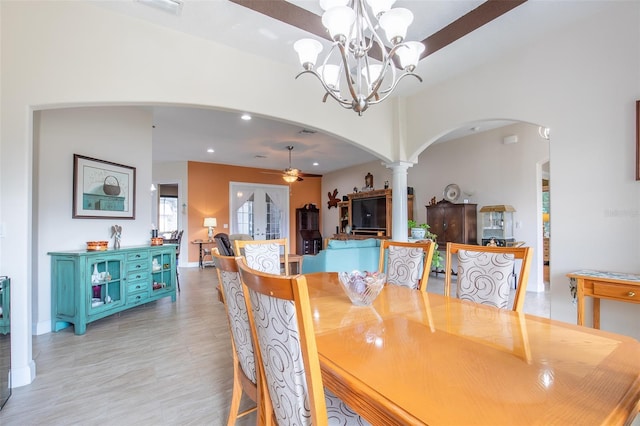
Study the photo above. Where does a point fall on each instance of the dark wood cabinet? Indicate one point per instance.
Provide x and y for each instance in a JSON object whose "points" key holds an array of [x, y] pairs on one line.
{"points": [[308, 239], [453, 223]]}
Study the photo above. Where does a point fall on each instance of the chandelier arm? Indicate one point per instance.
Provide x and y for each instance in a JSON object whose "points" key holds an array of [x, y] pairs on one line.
{"points": [[388, 91], [328, 90], [347, 73]]}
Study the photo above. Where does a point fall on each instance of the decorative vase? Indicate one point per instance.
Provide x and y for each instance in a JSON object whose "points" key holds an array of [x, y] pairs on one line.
{"points": [[95, 277], [418, 233]]}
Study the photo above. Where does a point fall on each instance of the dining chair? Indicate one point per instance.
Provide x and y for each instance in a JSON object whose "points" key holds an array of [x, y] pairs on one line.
{"points": [[406, 264], [485, 274], [176, 238], [244, 363], [265, 255], [287, 356]]}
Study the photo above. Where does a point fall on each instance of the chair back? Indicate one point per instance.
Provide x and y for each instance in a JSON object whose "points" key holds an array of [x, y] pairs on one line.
{"points": [[407, 264], [287, 356], [224, 244], [265, 255], [485, 274], [236, 308]]}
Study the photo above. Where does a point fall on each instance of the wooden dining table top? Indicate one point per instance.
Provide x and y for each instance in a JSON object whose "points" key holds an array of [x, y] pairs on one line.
{"points": [[421, 358]]}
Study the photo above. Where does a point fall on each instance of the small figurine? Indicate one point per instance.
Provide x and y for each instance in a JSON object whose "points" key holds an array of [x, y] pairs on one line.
{"points": [[116, 233], [433, 201], [333, 199]]}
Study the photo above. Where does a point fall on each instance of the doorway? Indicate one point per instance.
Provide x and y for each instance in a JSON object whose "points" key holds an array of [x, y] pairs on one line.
{"points": [[261, 211]]}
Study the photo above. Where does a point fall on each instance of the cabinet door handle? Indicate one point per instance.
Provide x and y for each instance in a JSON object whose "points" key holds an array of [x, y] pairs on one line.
{"points": [[631, 294]]}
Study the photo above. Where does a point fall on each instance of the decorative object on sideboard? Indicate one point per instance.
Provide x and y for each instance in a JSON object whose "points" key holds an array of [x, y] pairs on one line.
{"points": [[97, 245], [433, 201], [102, 189], [333, 199], [451, 192], [354, 31], [116, 234]]}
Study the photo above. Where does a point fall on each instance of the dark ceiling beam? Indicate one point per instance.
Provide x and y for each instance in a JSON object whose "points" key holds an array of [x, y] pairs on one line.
{"points": [[483, 14], [301, 18]]}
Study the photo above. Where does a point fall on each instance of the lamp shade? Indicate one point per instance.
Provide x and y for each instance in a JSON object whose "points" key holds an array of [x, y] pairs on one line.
{"points": [[331, 75], [410, 55], [308, 50], [210, 222], [395, 23], [290, 178], [338, 21], [380, 6]]}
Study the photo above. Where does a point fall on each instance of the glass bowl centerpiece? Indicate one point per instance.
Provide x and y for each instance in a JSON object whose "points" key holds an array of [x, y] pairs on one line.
{"points": [[362, 287]]}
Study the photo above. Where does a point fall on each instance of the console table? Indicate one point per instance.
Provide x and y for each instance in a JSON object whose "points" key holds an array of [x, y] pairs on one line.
{"points": [[89, 285], [604, 285]]}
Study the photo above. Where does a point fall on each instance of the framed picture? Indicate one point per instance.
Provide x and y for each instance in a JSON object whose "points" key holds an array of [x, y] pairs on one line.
{"points": [[637, 140], [102, 189]]}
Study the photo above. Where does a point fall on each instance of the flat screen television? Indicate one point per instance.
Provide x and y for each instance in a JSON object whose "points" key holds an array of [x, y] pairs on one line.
{"points": [[369, 213]]}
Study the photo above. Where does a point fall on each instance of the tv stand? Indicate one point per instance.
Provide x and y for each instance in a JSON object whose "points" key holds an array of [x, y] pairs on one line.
{"points": [[347, 210]]}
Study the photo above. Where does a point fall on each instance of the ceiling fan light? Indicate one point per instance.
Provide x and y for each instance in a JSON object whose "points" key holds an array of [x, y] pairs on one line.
{"points": [[308, 50], [395, 23], [338, 21], [379, 7], [330, 75], [330, 4], [290, 178], [410, 55]]}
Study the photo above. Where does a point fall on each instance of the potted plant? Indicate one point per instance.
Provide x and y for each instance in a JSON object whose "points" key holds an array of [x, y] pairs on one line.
{"points": [[421, 232]]}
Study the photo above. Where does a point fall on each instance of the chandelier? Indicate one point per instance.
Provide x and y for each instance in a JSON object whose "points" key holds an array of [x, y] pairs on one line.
{"points": [[354, 29]]}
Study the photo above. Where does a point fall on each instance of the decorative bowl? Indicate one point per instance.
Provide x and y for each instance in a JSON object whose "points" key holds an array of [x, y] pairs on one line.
{"points": [[362, 287], [97, 245]]}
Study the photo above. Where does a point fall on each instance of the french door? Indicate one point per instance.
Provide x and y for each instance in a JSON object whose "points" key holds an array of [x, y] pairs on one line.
{"points": [[261, 211]]}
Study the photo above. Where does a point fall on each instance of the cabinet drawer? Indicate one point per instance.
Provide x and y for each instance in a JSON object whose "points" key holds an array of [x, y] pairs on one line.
{"points": [[140, 265], [141, 255], [137, 286], [137, 298], [628, 293], [140, 274]]}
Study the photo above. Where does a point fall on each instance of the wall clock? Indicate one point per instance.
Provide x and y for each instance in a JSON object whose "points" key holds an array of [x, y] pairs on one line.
{"points": [[451, 192]]}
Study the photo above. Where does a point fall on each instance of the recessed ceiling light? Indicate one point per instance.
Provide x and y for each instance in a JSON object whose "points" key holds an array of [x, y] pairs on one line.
{"points": [[475, 129], [315, 163], [210, 150], [245, 117]]}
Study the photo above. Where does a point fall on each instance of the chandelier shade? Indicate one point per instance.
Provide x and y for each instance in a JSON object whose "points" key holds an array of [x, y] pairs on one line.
{"points": [[348, 72]]}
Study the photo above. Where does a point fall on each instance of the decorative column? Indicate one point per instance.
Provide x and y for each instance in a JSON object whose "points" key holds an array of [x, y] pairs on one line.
{"points": [[399, 212]]}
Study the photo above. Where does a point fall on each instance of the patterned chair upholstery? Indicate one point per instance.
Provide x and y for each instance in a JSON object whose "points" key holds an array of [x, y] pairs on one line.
{"points": [[244, 364], [288, 357], [406, 264], [264, 255], [485, 274]]}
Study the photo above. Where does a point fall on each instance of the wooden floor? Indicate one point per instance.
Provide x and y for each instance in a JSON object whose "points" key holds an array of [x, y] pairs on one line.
{"points": [[159, 364]]}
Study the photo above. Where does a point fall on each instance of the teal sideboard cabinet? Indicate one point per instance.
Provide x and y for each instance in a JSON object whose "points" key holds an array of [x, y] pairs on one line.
{"points": [[89, 285]]}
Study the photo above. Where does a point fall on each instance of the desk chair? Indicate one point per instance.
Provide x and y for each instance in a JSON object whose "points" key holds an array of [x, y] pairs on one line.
{"points": [[244, 362], [287, 355], [225, 247], [265, 255], [484, 274], [406, 264]]}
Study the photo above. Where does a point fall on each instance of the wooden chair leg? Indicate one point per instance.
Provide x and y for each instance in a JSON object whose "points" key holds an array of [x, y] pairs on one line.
{"points": [[236, 395]]}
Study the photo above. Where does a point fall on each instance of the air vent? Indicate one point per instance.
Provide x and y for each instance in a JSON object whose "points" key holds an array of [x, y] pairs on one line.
{"points": [[307, 132], [260, 156]]}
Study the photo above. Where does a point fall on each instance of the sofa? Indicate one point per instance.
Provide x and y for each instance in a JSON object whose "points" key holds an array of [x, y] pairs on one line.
{"points": [[344, 256]]}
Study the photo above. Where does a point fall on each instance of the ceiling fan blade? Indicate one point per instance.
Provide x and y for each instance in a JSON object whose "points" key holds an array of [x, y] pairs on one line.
{"points": [[308, 175]]}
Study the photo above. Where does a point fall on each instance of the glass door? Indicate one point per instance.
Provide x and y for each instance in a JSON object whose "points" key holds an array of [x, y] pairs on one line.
{"points": [[261, 211]]}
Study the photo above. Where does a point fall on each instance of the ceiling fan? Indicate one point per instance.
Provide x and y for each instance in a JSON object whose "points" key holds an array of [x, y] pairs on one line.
{"points": [[291, 175]]}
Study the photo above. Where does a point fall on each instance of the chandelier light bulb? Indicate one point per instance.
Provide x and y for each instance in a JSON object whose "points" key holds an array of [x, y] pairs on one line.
{"points": [[308, 50], [378, 7], [338, 21], [410, 54], [331, 76], [372, 73], [395, 23]]}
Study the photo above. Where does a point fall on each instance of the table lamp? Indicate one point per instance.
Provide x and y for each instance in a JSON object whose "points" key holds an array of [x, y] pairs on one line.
{"points": [[210, 222]]}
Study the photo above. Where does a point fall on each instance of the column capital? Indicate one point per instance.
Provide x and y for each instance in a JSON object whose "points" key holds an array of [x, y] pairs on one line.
{"points": [[399, 165]]}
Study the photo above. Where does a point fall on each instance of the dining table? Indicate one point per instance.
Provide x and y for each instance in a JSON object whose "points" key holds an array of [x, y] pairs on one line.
{"points": [[415, 357]]}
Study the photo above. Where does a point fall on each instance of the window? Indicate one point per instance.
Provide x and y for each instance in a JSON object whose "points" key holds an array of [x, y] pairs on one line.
{"points": [[168, 214]]}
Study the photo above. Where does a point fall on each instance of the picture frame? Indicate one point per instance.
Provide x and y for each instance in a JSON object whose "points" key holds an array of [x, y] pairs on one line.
{"points": [[637, 140], [102, 189]]}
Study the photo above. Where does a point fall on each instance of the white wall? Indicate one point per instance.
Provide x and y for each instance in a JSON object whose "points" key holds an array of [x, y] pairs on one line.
{"points": [[118, 134], [582, 83]]}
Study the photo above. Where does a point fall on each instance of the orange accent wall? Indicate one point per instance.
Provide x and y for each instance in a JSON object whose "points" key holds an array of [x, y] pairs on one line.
{"points": [[208, 196]]}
